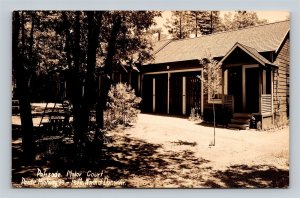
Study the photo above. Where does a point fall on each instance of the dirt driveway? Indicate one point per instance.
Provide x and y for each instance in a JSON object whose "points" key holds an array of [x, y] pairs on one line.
{"points": [[161, 151]]}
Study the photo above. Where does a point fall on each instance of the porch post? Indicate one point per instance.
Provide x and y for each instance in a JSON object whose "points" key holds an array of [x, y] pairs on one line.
{"points": [[244, 86], [260, 89], [153, 95], [272, 102], [223, 87], [202, 94], [168, 99], [183, 95], [264, 79]]}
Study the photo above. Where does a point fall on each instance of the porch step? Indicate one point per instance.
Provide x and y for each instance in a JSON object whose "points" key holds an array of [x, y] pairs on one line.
{"points": [[238, 126], [241, 115], [240, 121]]}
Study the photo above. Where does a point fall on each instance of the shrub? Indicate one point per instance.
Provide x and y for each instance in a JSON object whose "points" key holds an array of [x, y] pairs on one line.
{"points": [[122, 106]]}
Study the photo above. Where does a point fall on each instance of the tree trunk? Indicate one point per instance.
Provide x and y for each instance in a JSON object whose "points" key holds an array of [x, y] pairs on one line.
{"points": [[28, 144], [108, 68], [73, 53], [90, 84]]}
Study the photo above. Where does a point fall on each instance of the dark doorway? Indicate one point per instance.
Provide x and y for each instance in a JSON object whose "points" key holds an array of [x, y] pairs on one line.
{"points": [[193, 93], [147, 95], [252, 90], [161, 93], [176, 94], [235, 87]]}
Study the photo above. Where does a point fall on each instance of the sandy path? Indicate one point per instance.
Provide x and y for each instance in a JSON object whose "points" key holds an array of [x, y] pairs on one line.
{"points": [[244, 150]]}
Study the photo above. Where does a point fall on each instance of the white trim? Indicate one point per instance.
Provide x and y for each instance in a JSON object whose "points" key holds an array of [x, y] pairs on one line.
{"points": [[264, 82], [225, 82], [153, 95], [272, 94], [202, 95], [244, 87], [215, 101], [168, 99], [184, 95], [244, 49], [174, 71]]}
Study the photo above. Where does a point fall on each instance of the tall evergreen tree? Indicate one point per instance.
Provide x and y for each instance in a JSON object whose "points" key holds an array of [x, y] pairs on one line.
{"points": [[209, 22], [179, 24], [242, 19]]}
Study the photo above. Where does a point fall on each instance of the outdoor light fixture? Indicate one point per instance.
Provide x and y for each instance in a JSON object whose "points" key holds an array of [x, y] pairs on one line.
{"points": [[199, 76]]}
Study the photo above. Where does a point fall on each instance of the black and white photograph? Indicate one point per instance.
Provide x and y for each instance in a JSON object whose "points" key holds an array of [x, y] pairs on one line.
{"points": [[150, 99]]}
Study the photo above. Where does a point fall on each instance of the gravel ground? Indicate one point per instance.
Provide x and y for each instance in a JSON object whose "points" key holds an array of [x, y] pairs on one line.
{"points": [[240, 158]]}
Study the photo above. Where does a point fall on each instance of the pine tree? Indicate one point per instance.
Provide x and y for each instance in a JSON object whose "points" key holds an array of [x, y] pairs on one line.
{"points": [[179, 24], [209, 22], [242, 19]]}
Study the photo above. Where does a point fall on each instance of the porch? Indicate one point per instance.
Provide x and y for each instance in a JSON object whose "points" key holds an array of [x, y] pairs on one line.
{"points": [[247, 87]]}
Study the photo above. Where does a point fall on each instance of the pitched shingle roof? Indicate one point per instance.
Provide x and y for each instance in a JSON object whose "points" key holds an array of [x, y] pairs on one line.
{"points": [[262, 38]]}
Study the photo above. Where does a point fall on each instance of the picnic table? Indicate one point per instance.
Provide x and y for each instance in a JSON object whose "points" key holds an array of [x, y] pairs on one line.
{"points": [[57, 123]]}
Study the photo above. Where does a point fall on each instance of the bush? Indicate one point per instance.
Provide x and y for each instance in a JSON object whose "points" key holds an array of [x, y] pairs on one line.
{"points": [[122, 106]]}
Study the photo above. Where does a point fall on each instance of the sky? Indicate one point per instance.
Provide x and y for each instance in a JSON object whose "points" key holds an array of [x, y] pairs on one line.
{"points": [[271, 16]]}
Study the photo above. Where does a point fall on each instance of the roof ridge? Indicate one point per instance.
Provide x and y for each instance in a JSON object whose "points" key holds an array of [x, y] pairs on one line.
{"points": [[249, 27], [163, 46]]}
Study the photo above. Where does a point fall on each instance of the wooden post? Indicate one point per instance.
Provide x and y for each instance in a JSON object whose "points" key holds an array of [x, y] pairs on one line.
{"points": [[184, 95], [139, 84], [168, 99], [153, 95], [264, 80], [260, 90], [223, 87], [244, 87], [272, 99]]}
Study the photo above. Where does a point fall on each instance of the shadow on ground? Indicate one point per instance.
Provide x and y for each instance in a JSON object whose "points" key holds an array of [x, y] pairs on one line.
{"points": [[142, 164], [243, 176]]}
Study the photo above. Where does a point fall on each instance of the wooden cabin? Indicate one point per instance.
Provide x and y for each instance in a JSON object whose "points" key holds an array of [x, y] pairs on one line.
{"points": [[255, 76]]}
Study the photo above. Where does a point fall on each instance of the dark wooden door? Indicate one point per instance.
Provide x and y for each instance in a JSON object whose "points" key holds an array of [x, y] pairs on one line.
{"points": [[161, 93], [252, 90], [176, 94], [147, 94], [235, 87]]}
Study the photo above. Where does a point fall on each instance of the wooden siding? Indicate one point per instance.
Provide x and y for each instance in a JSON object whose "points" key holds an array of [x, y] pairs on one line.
{"points": [[266, 103], [281, 80]]}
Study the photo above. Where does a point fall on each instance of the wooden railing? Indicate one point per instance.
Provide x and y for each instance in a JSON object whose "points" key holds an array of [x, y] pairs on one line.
{"points": [[229, 102], [266, 103]]}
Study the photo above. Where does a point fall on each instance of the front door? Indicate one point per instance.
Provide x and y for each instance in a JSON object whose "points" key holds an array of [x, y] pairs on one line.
{"points": [[235, 87], [252, 90]]}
